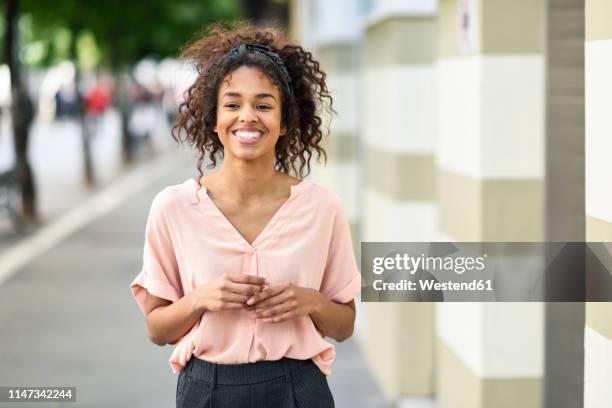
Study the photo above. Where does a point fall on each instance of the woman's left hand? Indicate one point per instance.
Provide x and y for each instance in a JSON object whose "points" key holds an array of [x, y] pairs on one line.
{"points": [[284, 302]]}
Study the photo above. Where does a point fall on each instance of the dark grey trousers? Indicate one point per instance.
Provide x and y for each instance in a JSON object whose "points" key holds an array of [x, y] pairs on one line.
{"points": [[285, 383]]}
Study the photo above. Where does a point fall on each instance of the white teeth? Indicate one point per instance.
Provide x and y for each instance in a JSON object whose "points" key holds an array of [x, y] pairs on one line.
{"points": [[247, 135]]}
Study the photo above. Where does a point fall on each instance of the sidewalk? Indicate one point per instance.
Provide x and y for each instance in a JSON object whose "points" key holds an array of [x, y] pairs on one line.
{"points": [[68, 317], [56, 156]]}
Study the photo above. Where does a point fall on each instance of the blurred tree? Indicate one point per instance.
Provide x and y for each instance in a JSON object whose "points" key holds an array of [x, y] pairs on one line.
{"points": [[22, 111], [267, 12], [127, 39]]}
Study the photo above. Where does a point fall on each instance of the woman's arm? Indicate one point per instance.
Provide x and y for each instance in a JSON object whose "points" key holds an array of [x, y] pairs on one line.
{"points": [[335, 320], [167, 321]]}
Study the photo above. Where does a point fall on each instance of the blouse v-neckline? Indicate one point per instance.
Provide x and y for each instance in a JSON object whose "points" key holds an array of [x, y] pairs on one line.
{"points": [[201, 193]]}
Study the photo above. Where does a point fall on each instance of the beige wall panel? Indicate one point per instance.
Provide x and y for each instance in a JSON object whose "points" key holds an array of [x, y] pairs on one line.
{"points": [[489, 210], [341, 146], [401, 40], [460, 206], [458, 387], [599, 317], [401, 176], [512, 393], [598, 15], [416, 352], [512, 210], [402, 362], [339, 57], [512, 27], [505, 27], [598, 230]]}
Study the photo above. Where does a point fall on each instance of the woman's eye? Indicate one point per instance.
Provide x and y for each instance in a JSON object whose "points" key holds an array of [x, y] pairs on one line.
{"points": [[234, 106]]}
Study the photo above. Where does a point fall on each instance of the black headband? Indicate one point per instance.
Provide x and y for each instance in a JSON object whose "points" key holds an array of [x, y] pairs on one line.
{"points": [[262, 49]]}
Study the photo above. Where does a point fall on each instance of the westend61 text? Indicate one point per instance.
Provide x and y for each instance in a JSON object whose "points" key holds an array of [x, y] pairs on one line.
{"points": [[430, 284]]}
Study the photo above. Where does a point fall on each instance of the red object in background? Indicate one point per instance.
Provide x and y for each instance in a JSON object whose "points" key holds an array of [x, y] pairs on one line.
{"points": [[97, 100]]}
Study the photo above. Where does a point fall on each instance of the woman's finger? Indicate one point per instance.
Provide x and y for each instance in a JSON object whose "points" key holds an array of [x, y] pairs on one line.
{"points": [[266, 294], [246, 278], [279, 318], [228, 296], [271, 301], [276, 310], [242, 288]]}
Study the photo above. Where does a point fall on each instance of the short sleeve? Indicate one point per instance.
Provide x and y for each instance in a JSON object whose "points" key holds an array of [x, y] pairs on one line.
{"points": [[341, 279], [160, 274]]}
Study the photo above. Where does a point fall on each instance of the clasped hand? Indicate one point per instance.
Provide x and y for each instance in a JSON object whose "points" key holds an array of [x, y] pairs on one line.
{"points": [[283, 302], [271, 304]]}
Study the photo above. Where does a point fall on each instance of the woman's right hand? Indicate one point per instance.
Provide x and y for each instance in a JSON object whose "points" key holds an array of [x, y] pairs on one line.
{"points": [[228, 292]]}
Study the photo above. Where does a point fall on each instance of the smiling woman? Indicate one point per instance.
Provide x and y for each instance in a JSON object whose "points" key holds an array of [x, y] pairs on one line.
{"points": [[248, 122], [247, 269]]}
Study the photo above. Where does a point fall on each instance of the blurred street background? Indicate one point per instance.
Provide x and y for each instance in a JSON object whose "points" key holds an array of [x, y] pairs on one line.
{"points": [[458, 120]]}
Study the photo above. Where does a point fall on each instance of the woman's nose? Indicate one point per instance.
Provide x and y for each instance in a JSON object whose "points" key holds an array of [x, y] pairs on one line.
{"points": [[248, 115]]}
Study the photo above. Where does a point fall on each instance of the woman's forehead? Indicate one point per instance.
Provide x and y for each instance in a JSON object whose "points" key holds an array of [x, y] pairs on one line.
{"points": [[248, 80]]}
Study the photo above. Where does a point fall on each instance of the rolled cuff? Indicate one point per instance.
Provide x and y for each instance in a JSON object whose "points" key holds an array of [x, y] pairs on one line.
{"points": [[146, 283], [349, 292]]}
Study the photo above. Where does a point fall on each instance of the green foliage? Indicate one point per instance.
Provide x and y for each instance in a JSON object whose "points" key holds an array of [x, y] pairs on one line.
{"points": [[2, 30], [115, 32], [88, 53]]}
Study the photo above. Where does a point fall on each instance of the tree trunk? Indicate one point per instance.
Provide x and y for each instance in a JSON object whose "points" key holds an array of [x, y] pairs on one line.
{"points": [[21, 112], [90, 179], [121, 98]]}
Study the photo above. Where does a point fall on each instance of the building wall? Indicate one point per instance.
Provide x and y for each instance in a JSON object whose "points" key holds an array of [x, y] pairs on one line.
{"points": [[598, 100], [490, 163], [441, 135], [336, 44], [399, 122]]}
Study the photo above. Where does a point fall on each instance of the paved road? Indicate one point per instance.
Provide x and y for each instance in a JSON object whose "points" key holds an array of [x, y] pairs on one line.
{"points": [[68, 318]]}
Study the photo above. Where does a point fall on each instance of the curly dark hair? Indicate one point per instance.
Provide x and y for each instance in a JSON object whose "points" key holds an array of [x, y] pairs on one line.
{"points": [[300, 100]]}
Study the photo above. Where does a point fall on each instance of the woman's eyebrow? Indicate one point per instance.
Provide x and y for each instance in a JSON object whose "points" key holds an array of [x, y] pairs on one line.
{"points": [[265, 95], [258, 96], [232, 94]]}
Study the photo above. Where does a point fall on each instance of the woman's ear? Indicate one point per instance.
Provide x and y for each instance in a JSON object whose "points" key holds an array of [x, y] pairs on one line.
{"points": [[283, 131]]}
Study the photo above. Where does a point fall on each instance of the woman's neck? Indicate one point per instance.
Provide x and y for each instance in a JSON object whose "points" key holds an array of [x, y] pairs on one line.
{"points": [[247, 181]]}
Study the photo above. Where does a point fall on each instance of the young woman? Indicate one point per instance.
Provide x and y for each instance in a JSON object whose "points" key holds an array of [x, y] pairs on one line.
{"points": [[248, 269]]}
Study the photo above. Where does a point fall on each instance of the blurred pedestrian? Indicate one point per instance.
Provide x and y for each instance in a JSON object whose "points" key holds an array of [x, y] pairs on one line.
{"points": [[248, 269], [97, 100], [143, 115], [66, 102]]}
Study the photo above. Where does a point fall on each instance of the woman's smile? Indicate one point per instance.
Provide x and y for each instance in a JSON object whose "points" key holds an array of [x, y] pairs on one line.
{"points": [[248, 137]]}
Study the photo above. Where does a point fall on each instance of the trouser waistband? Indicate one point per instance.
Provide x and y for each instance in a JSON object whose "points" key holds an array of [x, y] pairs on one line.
{"points": [[240, 374]]}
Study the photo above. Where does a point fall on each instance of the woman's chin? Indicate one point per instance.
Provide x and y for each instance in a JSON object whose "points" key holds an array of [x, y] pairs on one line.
{"points": [[249, 154]]}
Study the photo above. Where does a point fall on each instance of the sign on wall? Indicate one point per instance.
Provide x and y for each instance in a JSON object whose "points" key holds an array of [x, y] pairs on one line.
{"points": [[468, 25]]}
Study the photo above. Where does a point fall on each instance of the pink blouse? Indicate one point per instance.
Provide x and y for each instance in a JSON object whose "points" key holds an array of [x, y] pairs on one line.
{"points": [[189, 242]]}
